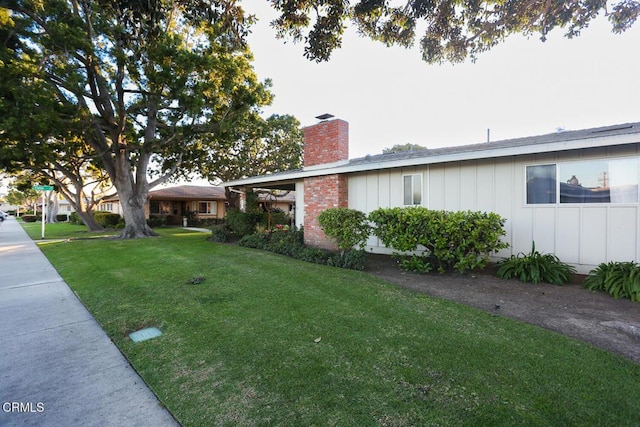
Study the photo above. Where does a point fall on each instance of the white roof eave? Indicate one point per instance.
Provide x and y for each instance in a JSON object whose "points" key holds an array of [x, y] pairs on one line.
{"points": [[498, 152]]}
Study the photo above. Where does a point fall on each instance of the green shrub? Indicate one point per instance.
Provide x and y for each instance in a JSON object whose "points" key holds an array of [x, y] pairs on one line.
{"points": [[107, 219], [414, 263], [29, 218], [204, 222], [220, 233], [62, 218], [242, 223], [348, 228], [272, 219], [535, 267], [619, 279], [444, 240], [353, 259], [157, 221], [74, 218], [291, 243]]}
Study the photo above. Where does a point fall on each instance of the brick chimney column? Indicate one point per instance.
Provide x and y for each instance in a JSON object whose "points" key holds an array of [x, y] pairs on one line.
{"points": [[325, 142]]}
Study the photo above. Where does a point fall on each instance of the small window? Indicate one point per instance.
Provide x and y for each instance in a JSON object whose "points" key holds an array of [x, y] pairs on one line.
{"points": [[159, 208], [209, 208], [412, 190], [541, 184]]}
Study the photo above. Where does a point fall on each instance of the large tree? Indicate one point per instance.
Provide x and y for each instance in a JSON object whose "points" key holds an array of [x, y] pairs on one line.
{"points": [[51, 150], [452, 30], [141, 80], [258, 147]]}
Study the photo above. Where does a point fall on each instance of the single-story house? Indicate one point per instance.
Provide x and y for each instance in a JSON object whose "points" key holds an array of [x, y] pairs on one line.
{"points": [[201, 202], [575, 193]]}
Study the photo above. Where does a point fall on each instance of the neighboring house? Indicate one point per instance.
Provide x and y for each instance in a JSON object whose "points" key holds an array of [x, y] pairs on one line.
{"points": [[65, 208], [575, 193], [200, 202], [174, 203]]}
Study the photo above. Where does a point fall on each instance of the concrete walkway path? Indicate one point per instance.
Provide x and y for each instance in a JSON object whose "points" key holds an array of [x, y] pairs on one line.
{"points": [[57, 365]]}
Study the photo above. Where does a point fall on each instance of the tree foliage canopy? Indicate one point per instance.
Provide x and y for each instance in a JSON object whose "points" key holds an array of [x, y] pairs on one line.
{"points": [[451, 31], [123, 83], [404, 147], [274, 145]]}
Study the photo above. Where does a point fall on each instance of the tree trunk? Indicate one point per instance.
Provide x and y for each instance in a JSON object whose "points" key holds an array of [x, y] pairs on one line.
{"points": [[52, 208], [89, 220], [133, 211]]}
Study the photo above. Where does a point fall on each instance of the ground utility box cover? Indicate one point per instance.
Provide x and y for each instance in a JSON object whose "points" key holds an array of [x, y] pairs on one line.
{"points": [[145, 334]]}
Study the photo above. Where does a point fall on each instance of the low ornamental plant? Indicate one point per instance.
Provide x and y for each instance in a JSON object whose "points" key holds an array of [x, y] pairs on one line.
{"points": [[535, 267], [290, 242], [619, 279]]}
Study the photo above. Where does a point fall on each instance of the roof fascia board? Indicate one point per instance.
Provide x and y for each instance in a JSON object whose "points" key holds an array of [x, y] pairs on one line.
{"points": [[566, 145]]}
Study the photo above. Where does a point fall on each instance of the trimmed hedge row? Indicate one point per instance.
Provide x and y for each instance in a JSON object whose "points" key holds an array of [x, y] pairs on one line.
{"points": [[439, 240]]}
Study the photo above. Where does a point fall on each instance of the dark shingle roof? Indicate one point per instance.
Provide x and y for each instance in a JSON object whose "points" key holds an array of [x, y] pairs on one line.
{"points": [[622, 129], [189, 192]]}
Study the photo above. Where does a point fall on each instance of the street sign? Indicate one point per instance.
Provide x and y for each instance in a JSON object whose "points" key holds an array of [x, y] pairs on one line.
{"points": [[43, 187]]}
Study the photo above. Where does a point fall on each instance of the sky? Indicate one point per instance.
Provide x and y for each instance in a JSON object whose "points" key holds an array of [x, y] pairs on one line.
{"points": [[389, 96]]}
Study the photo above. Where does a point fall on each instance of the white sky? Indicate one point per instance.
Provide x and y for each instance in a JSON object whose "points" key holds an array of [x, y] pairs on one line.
{"points": [[389, 96]]}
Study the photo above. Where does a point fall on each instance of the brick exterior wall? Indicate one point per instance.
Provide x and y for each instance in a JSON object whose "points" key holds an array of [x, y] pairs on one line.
{"points": [[320, 193], [325, 142]]}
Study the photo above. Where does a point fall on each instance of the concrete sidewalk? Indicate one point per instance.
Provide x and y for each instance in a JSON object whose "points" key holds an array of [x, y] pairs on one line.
{"points": [[57, 366]]}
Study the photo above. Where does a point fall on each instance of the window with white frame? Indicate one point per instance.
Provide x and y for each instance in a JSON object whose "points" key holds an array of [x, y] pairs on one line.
{"points": [[207, 208], [584, 182], [412, 189]]}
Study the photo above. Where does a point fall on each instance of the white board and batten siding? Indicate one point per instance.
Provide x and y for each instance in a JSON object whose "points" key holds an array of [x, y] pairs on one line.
{"points": [[581, 234]]}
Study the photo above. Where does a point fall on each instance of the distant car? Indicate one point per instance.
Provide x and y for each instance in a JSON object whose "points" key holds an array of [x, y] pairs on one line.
{"points": [[3, 216]]}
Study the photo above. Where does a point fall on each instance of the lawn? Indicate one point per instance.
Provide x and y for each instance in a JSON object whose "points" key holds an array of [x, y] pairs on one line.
{"points": [[62, 230], [266, 340]]}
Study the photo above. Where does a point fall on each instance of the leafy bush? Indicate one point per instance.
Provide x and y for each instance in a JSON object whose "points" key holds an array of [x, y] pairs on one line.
{"points": [[444, 240], [353, 259], [107, 219], [619, 279], [347, 227], [291, 243], [62, 218], [157, 221], [204, 222], [535, 267], [29, 218], [242, 223], [220, 233], [414, 263], [74, 218]]}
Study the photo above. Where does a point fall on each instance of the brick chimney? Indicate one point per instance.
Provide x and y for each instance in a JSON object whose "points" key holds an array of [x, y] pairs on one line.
{"points": [[325, 142]]}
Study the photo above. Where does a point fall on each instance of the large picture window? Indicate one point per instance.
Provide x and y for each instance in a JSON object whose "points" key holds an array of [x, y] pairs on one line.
{"points": [[599, 181], [412, 190], [586, 182]]}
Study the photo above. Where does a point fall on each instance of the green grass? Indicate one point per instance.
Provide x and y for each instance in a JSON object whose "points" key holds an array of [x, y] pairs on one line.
{"points": [[240, 347], [62, 230]]}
